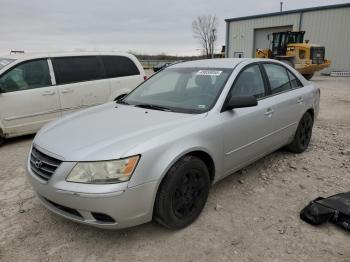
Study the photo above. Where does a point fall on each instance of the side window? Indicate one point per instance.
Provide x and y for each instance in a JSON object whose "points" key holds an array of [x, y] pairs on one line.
{"points": [[77, 69], [28, 75], [118, 66], [294, 81], [249, 82], [277, 75]]}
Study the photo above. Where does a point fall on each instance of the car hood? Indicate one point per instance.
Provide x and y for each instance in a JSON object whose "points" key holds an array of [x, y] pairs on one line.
{"points": [[107, 132]]}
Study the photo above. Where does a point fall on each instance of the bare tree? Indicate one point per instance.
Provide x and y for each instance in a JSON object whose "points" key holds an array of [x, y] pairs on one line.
{"points": [[205, 30]]}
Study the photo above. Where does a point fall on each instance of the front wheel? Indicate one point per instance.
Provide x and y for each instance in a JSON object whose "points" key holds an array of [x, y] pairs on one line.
{"points": [[183, 193], [303, 134]]}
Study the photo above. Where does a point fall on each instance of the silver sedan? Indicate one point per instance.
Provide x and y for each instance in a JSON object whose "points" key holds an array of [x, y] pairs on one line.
{"points": [[155, 153]]}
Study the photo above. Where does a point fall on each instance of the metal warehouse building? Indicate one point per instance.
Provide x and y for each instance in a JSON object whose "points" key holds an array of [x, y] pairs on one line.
{"points": [[327, 26]]}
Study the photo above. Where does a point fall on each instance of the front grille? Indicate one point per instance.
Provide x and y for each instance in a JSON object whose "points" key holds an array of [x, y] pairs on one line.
{"points": [[42, 165], [317, 54]]}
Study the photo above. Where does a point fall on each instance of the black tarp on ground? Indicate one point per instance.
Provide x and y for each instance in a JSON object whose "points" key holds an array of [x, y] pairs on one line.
{"points": [[335, 209]]}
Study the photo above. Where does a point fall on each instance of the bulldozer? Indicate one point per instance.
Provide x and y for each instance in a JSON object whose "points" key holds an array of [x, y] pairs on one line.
{"points": [[289, 47]]}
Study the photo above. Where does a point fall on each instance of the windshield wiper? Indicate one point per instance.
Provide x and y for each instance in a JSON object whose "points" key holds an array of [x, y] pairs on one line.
{"points": [[149, 106]]}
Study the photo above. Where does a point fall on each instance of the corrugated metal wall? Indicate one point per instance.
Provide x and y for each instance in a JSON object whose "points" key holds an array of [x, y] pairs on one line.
{"points": [[329, 28]]}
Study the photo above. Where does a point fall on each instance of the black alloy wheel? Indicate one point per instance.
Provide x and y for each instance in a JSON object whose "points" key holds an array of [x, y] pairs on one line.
{"points": [[188, 195], [303, 134], [183, 193]]}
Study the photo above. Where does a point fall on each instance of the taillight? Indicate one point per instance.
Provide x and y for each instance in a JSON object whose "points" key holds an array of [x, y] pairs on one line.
{"points": [[145, 78]]}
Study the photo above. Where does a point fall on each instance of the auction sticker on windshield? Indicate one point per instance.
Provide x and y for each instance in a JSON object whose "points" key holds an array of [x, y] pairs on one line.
{"points": [[209, 73]]}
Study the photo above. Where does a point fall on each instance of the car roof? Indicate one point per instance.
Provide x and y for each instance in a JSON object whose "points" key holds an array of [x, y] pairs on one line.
{"points": [[221, 62], [212, 63], [59, 54]]}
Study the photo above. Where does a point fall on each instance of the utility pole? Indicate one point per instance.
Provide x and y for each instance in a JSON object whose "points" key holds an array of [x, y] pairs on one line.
{"points": [[281, 6]]}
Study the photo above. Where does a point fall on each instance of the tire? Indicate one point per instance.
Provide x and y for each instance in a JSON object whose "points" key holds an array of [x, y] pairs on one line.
{"points": [[183, 193], [308, 76], [2, 140], [303, 135]]}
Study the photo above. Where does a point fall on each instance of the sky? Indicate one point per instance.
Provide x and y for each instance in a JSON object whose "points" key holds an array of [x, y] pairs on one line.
{"points": [[144, 27]]}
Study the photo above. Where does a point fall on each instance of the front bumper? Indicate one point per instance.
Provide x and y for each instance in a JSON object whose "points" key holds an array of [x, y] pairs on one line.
{"points": [[105, 206]]}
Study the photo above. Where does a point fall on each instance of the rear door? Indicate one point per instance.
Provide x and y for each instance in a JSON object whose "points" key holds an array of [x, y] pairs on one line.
{"points": [[123, 74], [28, 99], [81, 82], [286, 100]]}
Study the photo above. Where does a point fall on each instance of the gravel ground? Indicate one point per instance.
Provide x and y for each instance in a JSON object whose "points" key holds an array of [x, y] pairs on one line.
{"points": [[251, 216]]}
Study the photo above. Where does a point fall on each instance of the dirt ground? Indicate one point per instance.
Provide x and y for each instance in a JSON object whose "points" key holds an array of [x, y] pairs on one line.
{"points": [[251, 216]]}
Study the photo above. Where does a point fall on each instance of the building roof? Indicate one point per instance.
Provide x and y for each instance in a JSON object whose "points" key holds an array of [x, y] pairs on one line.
{"points": [[303, 10]]}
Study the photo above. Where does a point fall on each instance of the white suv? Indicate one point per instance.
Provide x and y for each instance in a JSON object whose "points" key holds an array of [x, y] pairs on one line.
{"points": [[36, 89]]}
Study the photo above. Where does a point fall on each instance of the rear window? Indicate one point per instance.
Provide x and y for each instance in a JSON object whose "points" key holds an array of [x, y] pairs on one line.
{"points": [[77, 69], [118, 66], [294, 81]]}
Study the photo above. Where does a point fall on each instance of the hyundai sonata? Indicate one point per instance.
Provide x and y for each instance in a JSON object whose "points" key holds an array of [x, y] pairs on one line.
{"points": [[155, 153]]}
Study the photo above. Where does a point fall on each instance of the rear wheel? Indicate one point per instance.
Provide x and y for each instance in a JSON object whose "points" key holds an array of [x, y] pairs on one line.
{"points": [[2, 140], [308, 76], [183, 193], [303, 134]]}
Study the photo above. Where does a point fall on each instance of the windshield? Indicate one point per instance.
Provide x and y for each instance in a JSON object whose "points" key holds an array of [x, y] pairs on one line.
{"points": [[5, 61], [279, 39], [185, 90]]}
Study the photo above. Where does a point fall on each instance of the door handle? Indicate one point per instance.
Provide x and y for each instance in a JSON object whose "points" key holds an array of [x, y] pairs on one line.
{"points": [[67, 90], [300, 100], [49, 93], [269, 112]]}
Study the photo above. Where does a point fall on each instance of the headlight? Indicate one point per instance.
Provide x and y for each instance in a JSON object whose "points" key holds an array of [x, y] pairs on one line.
{"points": [[103, 172]]}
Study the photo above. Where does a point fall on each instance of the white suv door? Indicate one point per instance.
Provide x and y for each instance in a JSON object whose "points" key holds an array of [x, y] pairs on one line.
{"points": [[28, 100], [81, 82]]}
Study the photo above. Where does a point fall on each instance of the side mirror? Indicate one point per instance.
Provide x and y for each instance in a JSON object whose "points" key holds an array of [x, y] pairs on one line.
{"points": [[241, 102]]}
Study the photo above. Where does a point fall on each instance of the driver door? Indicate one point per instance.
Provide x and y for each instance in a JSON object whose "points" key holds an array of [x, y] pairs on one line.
{"points": [[246, 131], [28, 99]]}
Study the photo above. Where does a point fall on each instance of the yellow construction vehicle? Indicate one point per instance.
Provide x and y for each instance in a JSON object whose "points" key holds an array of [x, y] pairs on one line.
{"points": [[289, 47]]}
